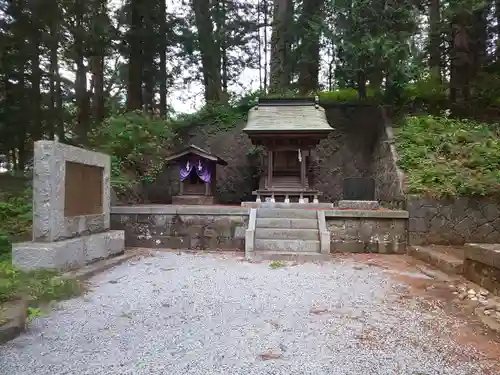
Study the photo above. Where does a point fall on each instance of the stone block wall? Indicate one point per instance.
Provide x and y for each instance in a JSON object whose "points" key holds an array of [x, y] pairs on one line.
{"points": [[348, 151], [367, 231], [178, 227], [482, 265], [453, 222], [388, 177]]}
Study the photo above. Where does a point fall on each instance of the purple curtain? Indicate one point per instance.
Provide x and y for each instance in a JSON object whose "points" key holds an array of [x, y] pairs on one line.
{"points": [[204, 173], [202, 168], [185, 172]]}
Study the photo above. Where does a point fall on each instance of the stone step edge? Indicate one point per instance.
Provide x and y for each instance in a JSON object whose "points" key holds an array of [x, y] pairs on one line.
{"points": [[443, 262]]}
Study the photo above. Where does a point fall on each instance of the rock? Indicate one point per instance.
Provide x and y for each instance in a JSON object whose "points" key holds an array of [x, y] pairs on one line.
{"points": [[471, 291], [473, 298], [455, 293], [462, 288], [462, 295], [451, 286], [484, 292], [318, 310], [12, 319], [270, 354], [483, 302], [488, 312]]}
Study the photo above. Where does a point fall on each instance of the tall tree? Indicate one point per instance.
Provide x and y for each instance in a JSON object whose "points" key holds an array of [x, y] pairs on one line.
{"points": [[310, 23], [281, 52]]}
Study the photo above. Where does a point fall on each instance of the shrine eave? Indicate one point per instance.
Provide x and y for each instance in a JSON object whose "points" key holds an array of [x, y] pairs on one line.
{"points": [[195, 150]]}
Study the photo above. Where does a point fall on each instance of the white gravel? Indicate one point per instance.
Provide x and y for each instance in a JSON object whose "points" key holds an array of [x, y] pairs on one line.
{"points": [[187, 314]]}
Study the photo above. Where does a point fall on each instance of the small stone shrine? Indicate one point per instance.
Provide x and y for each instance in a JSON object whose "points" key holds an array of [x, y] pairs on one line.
{"points": [[288, 130], [71, 210], [197, 175]]}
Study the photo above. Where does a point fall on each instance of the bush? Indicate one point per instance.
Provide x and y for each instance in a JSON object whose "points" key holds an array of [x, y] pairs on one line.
{"points": [[446, 157], [15, 220], [135, 142], [346, 95]]}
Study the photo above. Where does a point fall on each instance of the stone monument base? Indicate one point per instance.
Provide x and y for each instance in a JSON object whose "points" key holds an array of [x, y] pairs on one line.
{"points": [[68, 254], [358, 205], [192, 200]]}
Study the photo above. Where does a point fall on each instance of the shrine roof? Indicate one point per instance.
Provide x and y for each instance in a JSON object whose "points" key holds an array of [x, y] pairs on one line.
{"points": [[287, 116], [192, 149]]}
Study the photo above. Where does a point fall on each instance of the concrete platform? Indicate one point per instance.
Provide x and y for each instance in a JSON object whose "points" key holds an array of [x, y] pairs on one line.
{"points": [[286, 234], [482, 265], [68, 254], [290, 256], [290, 246], [294, 205], [358, 205], [445, 258]]}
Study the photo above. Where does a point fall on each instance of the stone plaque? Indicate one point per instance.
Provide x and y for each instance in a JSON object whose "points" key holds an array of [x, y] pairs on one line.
{"points": [[83, 189], [359, 189]]}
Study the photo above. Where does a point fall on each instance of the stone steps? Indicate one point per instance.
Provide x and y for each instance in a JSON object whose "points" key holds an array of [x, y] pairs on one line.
{"points": [[444, 258], [284, 213], [287, 234], [290, 245], [298, 256], [286, 223]]}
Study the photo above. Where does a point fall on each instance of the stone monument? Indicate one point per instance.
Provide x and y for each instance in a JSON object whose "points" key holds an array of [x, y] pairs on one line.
{"points": [[71, 210]]}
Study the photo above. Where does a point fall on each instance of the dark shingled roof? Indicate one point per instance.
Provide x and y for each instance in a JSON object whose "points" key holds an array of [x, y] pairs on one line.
{"points": [[287, 115], [192, 149]]}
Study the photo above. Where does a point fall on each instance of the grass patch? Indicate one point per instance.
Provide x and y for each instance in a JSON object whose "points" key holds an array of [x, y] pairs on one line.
{"points": [[444, 157], [275, 264], [38, 286]]}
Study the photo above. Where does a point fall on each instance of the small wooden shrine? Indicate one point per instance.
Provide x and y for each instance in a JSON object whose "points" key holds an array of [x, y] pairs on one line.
{"points": [[288, 129], [197, 175]]}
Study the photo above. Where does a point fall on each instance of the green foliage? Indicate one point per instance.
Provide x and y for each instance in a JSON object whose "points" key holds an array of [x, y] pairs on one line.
{"points": [[213, 118], [275, 264], [346, 95], [428, 90], [38, 286], [134, 140], [445, 157], [15, 220]]}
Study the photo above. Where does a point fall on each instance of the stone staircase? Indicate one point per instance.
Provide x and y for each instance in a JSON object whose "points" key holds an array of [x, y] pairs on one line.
{"points": [[281, 233]]}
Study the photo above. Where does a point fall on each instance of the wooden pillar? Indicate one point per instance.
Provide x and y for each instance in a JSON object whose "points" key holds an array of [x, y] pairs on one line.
{"points": [[303, 170], [181, 188], [207, 189], [269, 169]]}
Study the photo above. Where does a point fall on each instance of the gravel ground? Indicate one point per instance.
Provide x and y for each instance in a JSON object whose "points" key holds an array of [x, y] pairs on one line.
{"points": [[212, 314]]}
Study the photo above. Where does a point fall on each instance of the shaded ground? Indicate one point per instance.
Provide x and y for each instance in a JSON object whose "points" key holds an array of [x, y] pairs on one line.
{"points": [[217, 314]]}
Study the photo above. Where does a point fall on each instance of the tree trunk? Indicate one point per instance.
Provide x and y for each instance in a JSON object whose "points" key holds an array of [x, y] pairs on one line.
{"points": [[82, 102], [163, 60], [461, 63], [280, 47], [309, 49], [210, 56], [266, 22], [135, 61], [435, 39], [36, 96]]}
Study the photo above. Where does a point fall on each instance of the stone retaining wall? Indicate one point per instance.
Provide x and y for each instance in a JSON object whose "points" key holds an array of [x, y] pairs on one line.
{"points": [[359, 231], [181, 227], [482, 266], [453, 222], [388, 177]]}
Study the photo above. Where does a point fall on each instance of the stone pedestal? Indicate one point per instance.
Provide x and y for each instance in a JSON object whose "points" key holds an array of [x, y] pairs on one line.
{"points": [[358, 205], [71, 210]]}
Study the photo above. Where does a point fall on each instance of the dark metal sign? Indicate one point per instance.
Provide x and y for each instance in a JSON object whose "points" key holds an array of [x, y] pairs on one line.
{"points": [[359, 189]]}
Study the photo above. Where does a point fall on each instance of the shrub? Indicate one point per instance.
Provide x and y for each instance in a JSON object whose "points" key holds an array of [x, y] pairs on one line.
{"points": [[135, 142], [15, 220], [446, 157]]}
